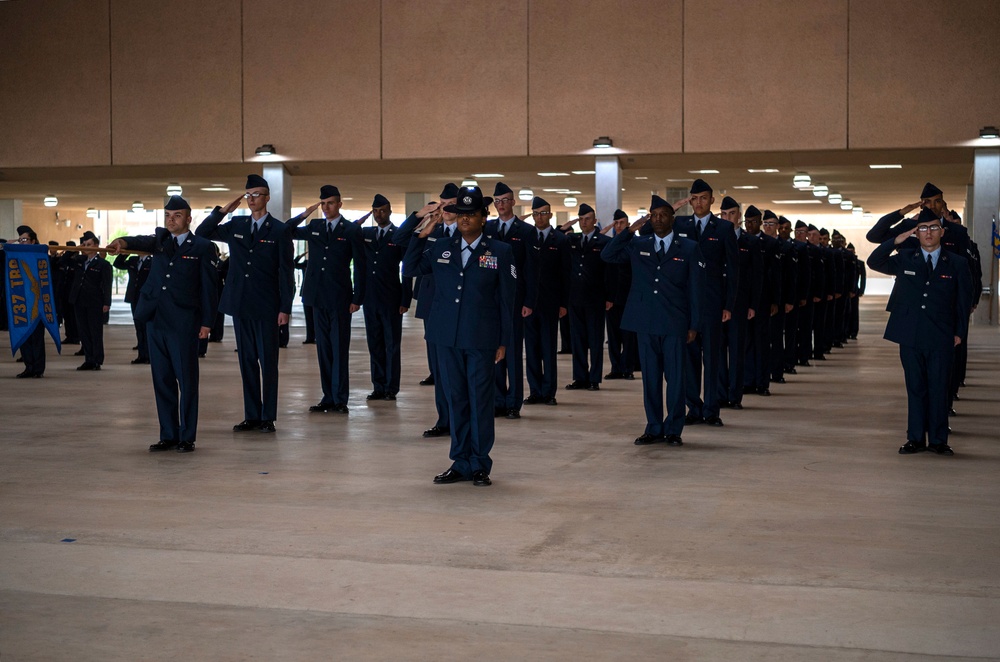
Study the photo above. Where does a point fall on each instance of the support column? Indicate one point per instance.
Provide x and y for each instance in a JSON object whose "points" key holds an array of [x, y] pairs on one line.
{"points": [[416, 201], [986, 207], [607, 187], [279, 180], [11, 215]]}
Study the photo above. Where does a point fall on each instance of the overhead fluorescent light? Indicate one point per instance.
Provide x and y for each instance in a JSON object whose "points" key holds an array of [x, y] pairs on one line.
{"points": [[487, 175], [92, 213], [707, 171], [642, 211], [469, 182], [525, 194], [745, 188], [215, 188], [50, 201], [885, 166], [553, 174], [569, 202], [756, 170], [796, 202], [555, 190], [681, 180], [584, 172], [642, 177]]}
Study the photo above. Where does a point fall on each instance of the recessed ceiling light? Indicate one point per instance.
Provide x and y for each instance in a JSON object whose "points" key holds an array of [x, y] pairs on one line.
{"points": [[584, 172], [347, 198], [885, 166], [487, 175], [642, 177], [553, 174], [708, 171], [215, 188], [755, 170], [745, 188], [796, 202]]}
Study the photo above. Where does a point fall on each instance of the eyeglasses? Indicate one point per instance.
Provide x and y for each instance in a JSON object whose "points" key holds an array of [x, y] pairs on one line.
{"points": [[254, 196], [769, 224], [541, 213], [924, 229], [499, 200]]}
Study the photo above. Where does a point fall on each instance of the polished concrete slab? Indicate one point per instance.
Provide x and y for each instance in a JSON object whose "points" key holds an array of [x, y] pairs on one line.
{"points": [[794, 532]]}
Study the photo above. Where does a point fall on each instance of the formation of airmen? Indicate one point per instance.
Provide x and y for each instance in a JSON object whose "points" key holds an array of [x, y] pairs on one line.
{"points": [[717, 306]]}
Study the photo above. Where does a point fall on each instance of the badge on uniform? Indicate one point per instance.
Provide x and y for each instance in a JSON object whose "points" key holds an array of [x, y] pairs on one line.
{"points": [[238, 236], [366, 239], [713, 238], [190, 257], [678, 259], [701, 264], [681, 234], [513, 271], [909, 273], [488, 261], [446, 254], [644, 253]]}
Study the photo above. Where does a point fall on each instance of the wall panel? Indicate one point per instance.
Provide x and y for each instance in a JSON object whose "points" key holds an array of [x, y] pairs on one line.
{"points": [[311, 82], [176, 81], [624, 84], [454, 78], [923, 72], [54, 77], [764, 75]]}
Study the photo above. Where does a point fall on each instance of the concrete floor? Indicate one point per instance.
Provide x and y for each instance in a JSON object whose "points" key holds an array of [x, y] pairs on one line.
{"points": [[794, 533]]}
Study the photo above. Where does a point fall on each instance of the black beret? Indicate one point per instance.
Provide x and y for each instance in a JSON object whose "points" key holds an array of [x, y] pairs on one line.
{"points": [[88, 235], [537, 202], [800, 224], [449, 192], [656, 202], [500, 189], [930, 191], [379, 201], [469, 199], [729, 203], [926, 216], [824, 231], [24, 229], [850, 245], [751, 212], [700, 186], [256, 181], [812, 228], [585, 209], [768, 214], [176, 202], [328, 191], [619, 214]]}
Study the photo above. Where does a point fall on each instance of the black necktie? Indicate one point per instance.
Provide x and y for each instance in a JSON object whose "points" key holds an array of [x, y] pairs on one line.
{"points": [[503, 232], [253, 231], [930, 264], [659, 249], [378, 238], [541, 237], [697, 229], [586, 240], [176, 245]]}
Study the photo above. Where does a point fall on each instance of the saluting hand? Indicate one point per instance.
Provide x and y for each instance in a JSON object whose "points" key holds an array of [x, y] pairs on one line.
{"points": [[309, 210], [568, 224], [433, 219], [910, 207], [232, 206], [681, 203], [638, 223], [427, 209], [903, 236], [115, 246]]}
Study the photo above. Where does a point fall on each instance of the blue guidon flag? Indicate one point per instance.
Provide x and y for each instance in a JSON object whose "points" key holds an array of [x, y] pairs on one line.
{"points": [[30, 297]]}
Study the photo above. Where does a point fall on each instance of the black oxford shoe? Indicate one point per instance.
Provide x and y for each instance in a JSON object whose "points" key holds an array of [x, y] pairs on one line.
{"points": [[779, 380], [941, 449], [614, 375], [736, 405], [674, 440], [246, 426], [952, 412], [138, 361], [629, 376], [266, 426], [792, 371], [376, 395], [763, 391], [322, 407], [911, 447], [551, 401], [437, 431], [725, 404], [481, 479], [692, 419], [27, 374], [87, 366], [499, 412], [534, 400], [427, 382], [577, 386], [647, 439], [594, 387], [513, 414], [163, 445], [339, 409], [185, 447], [449, 476], [79, 353], [389, 396], [714, 421]]}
